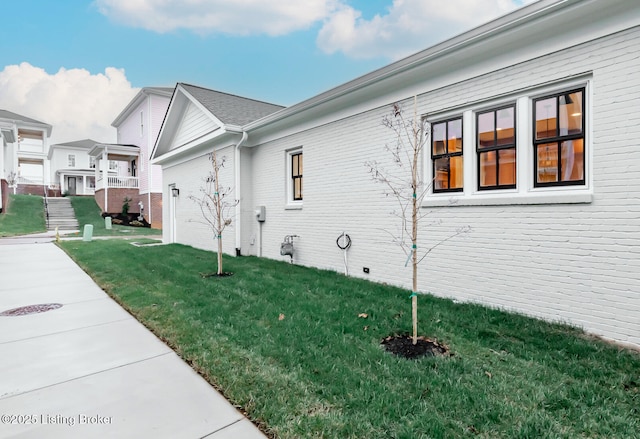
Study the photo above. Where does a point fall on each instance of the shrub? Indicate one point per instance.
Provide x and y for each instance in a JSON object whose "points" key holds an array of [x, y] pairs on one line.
{"points": [[136, 224], [125, 205]]}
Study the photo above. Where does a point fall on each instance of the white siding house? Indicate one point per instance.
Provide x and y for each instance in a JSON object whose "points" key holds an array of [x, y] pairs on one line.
{"points": [[137, 126], [24, 145], [535, 146], [72, 169]]}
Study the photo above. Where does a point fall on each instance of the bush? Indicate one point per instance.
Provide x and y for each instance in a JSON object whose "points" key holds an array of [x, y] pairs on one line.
{"points": [[125, 205], [136, 224]]}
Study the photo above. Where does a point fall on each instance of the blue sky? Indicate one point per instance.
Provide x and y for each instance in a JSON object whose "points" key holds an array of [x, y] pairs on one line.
{"points": [[76, 63]]}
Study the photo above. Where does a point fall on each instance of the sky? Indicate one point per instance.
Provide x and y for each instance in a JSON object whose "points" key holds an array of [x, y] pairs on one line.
{"points": [[76, 64]]}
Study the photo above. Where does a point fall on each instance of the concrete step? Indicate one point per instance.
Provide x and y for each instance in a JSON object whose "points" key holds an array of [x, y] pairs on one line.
{"points": [[61, 214]]}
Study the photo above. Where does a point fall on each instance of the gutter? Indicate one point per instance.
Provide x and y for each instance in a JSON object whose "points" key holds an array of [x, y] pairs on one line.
{"points": [[238, 213]]}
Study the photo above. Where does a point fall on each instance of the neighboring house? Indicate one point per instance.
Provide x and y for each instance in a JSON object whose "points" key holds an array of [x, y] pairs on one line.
{"points": [[24, 144], [72, 169], [535, 144], [138, 126]]}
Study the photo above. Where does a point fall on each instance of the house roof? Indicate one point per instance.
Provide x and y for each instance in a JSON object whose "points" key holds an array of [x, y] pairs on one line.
{"points": [[137, 99], [114, 148], [86, 144], [230, 109], [4, 114], [18, 118]]}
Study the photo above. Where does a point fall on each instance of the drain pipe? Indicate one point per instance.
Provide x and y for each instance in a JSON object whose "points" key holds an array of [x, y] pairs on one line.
{"points": [[238, 215]]}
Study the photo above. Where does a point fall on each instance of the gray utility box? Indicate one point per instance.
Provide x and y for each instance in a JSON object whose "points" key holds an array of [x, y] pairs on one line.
{"points": [[261, 213]]}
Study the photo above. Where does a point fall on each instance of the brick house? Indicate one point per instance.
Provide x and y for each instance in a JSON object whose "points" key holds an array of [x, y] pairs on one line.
{"points": [[534, 143]]}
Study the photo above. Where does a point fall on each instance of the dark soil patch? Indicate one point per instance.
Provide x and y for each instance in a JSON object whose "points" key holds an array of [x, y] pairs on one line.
{"points": [[223, 274], [130, 219], [402, 346]]}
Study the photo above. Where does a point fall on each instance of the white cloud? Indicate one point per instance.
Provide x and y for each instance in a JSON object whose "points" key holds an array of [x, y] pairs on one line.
{"points": [[76, 103], [409, 26], [237, 17]]}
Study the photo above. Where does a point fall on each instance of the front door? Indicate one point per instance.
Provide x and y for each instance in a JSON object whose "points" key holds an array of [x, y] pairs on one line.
{"points": [[71, 185]]}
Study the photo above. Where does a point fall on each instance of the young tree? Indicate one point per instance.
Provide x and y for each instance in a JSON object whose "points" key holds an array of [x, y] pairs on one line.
{"points": [[215, 203], [406, 184]]}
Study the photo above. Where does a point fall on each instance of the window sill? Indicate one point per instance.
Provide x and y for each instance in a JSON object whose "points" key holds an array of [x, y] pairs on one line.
{"points": [[511, 198], [291, 206]]}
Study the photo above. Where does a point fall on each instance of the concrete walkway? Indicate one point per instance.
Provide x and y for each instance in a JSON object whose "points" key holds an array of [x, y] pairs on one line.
{"points": [[89, 369]]}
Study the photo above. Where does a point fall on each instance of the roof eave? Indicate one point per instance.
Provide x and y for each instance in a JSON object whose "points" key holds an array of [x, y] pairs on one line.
{"points": [[137, 100], [483, 32]]}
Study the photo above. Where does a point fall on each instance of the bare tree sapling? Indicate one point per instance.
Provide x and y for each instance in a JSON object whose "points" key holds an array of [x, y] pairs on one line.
{"points": [[215, 203]]}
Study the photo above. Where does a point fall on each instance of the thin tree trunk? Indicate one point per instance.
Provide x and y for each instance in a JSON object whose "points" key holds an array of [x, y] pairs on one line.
{"points": [[218, 212], [414, 225]]}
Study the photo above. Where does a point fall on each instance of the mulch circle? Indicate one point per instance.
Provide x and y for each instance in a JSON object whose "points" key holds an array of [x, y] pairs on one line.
{"points": [[402, 346], [31, 309], [223, 274]]}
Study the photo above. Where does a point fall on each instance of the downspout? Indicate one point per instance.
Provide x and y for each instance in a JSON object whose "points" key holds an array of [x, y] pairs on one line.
{"points": [[238, 215]]}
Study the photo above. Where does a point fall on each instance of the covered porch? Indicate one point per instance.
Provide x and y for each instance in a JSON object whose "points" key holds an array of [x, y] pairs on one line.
{"points": [[115, 166], [76, 181], [116, 178]]}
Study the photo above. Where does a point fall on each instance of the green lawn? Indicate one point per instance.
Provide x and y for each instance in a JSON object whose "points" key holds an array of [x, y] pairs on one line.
{"points": [[23, 215], [320, 372], [88, 212]]}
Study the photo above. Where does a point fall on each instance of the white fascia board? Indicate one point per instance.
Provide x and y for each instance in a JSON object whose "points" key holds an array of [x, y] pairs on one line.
{"points": [[168, 120], [201, 107], [181, 97], [195, 148]]}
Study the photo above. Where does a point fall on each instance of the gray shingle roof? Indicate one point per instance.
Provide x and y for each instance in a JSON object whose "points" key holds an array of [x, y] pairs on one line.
{"points": [[4, 114], [86, 143], [231, 109]]}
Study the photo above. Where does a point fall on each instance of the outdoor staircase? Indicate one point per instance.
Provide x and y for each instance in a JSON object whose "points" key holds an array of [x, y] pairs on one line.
{"points": [[61, 214]]}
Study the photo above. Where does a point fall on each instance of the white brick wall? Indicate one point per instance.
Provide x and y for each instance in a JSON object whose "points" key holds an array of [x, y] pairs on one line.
{"points": [[578, 263], [189, 178], [574, 263]]}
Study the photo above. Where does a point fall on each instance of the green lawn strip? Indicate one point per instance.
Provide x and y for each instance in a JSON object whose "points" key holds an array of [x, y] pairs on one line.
{"points": [[87, 211], [320, 371], [23, 215]]}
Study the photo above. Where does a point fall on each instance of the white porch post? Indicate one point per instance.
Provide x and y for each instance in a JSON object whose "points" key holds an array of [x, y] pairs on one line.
{"points": [[105, 177], [61, 183], [84, 185]]}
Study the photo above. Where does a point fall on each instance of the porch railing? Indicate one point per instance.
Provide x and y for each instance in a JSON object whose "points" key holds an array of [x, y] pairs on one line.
{"points": [[122, 182]]}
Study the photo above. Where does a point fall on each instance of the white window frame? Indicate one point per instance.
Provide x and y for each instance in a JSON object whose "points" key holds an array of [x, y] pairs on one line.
{"points": [[92, 162], [113, 165], [291, 203], [524, 192], [71, 160]]}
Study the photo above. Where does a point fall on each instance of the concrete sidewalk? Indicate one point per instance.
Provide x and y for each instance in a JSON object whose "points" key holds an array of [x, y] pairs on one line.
{"points": [[89, 369]]}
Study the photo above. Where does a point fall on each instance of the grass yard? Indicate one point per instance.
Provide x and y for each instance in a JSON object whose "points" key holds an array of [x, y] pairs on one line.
{"points": [[286, 344], [88, 212], [23, 215]]}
